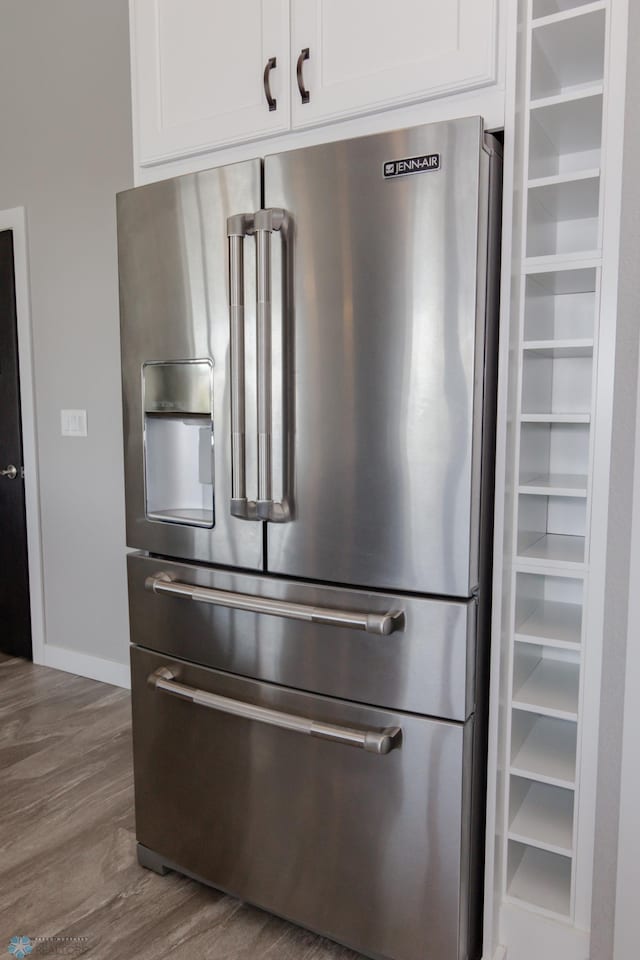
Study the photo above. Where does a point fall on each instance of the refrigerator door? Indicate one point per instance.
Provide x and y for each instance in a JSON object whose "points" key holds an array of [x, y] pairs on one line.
{"points": [[386, 293], [271, 794], [174, 309]]}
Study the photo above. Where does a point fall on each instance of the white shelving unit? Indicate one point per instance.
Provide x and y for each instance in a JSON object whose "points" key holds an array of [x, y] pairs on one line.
{"points": [[555, 338]]}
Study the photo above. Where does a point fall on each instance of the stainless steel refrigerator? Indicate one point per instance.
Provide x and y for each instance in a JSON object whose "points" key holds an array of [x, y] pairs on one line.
{"points": [[308, 355]]}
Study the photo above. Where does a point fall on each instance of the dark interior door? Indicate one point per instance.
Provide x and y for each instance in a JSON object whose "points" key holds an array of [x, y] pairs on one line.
{"points": [[15, 619]]}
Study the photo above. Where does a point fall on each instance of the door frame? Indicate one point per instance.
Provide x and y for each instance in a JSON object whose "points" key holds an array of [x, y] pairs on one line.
{"points": [[15, 220]]}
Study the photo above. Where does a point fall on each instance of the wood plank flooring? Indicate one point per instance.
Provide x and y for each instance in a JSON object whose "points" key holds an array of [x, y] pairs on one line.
{"points": [[68, 866]]}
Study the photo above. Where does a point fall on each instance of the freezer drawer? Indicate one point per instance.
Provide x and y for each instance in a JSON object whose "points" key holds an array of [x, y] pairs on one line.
{"points": [[367, 848], [426, 664]]}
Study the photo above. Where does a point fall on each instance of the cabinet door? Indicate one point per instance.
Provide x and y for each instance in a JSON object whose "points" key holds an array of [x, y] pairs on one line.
{"points": [[198, 73], [368, 54]]}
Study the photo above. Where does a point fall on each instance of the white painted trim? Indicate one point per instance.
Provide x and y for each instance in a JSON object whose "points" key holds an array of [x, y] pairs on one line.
{"points": [[531, 936], [84, 665], [15, 220], [601, 440], [487, 102], [493, 843], [627, 919]]}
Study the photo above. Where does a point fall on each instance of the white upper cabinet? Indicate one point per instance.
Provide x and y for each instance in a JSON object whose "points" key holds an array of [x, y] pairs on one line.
{"points": [[203, 72], [353, 56], [209, 73]]}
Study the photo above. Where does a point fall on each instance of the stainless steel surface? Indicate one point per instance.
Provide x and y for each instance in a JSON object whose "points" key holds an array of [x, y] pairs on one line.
{"points": [[304, 93], [271, 64], [259, 225], [173, 249], [10, 472], [388, 360], [368, 851], [178, 387], [381, 624], [373, 741], [238, 226], [266, 222], [353, 396], [426, 666], [477, 807]]}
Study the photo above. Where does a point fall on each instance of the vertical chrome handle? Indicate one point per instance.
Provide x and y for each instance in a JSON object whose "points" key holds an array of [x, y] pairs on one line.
{"points": [[265, 223], [304, 93], [271, 100], [238, 227]]}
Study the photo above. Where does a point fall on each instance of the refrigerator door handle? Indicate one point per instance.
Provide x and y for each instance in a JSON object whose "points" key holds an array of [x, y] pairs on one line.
{"points": [[374, 741], [265, 223], [238, 227], [381, 624]]}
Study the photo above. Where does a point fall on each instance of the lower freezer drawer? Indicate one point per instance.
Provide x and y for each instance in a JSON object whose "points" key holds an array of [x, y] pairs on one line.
{"points": [[369, 848]]}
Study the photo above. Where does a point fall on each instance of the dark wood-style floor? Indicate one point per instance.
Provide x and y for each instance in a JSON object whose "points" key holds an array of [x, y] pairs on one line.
{"points": [[67, 845]]}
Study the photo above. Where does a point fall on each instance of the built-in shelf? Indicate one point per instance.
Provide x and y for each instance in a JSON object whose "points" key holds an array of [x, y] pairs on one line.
{"points": [[567, 51], [571, 96], [553, 623], [568, 13], [563, 214], [572, 203], [559, 312], [555, 417], [560, 276], [565, 134], [540, 878], [541, 816], [555, 349], [555, 485], [554, 549], [546, 751], [560, 195], [545, 686], [546, 8], [552, 449], [555, 262]]}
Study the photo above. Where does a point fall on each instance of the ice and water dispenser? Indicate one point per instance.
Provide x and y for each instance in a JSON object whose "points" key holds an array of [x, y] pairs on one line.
{"points": [[178, 441]]}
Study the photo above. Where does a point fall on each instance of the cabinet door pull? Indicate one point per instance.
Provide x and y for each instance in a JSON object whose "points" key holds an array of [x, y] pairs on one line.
{"points": [[271, 65], [304, 93]]}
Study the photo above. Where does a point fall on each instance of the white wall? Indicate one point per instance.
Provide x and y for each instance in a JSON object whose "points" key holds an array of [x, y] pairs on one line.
{"points": [[65, 150]]}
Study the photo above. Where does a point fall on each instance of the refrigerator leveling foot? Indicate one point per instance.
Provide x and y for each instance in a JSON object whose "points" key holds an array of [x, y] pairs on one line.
{"points": [[151, 861]]}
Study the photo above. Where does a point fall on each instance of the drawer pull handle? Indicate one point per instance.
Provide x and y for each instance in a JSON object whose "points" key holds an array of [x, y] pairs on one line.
{"points": [[374, 741], [381, 624]]}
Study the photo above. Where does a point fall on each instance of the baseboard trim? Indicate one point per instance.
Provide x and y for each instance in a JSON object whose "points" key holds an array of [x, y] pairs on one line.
{"points": [[84, 665], [530, 935]]}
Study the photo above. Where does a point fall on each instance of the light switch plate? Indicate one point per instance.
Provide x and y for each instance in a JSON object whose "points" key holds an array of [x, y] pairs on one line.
{"points": [[73, 423]]}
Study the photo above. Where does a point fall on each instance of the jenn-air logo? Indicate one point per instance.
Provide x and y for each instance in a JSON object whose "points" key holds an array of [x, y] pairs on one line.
{"points": [[400, 168]]}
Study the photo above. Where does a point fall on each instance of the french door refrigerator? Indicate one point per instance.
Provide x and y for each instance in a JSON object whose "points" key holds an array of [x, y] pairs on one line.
{"points": [[308, 355]]}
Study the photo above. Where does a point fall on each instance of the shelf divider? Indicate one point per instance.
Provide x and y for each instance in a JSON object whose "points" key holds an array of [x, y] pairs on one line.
{"points": [[555, 485]]}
